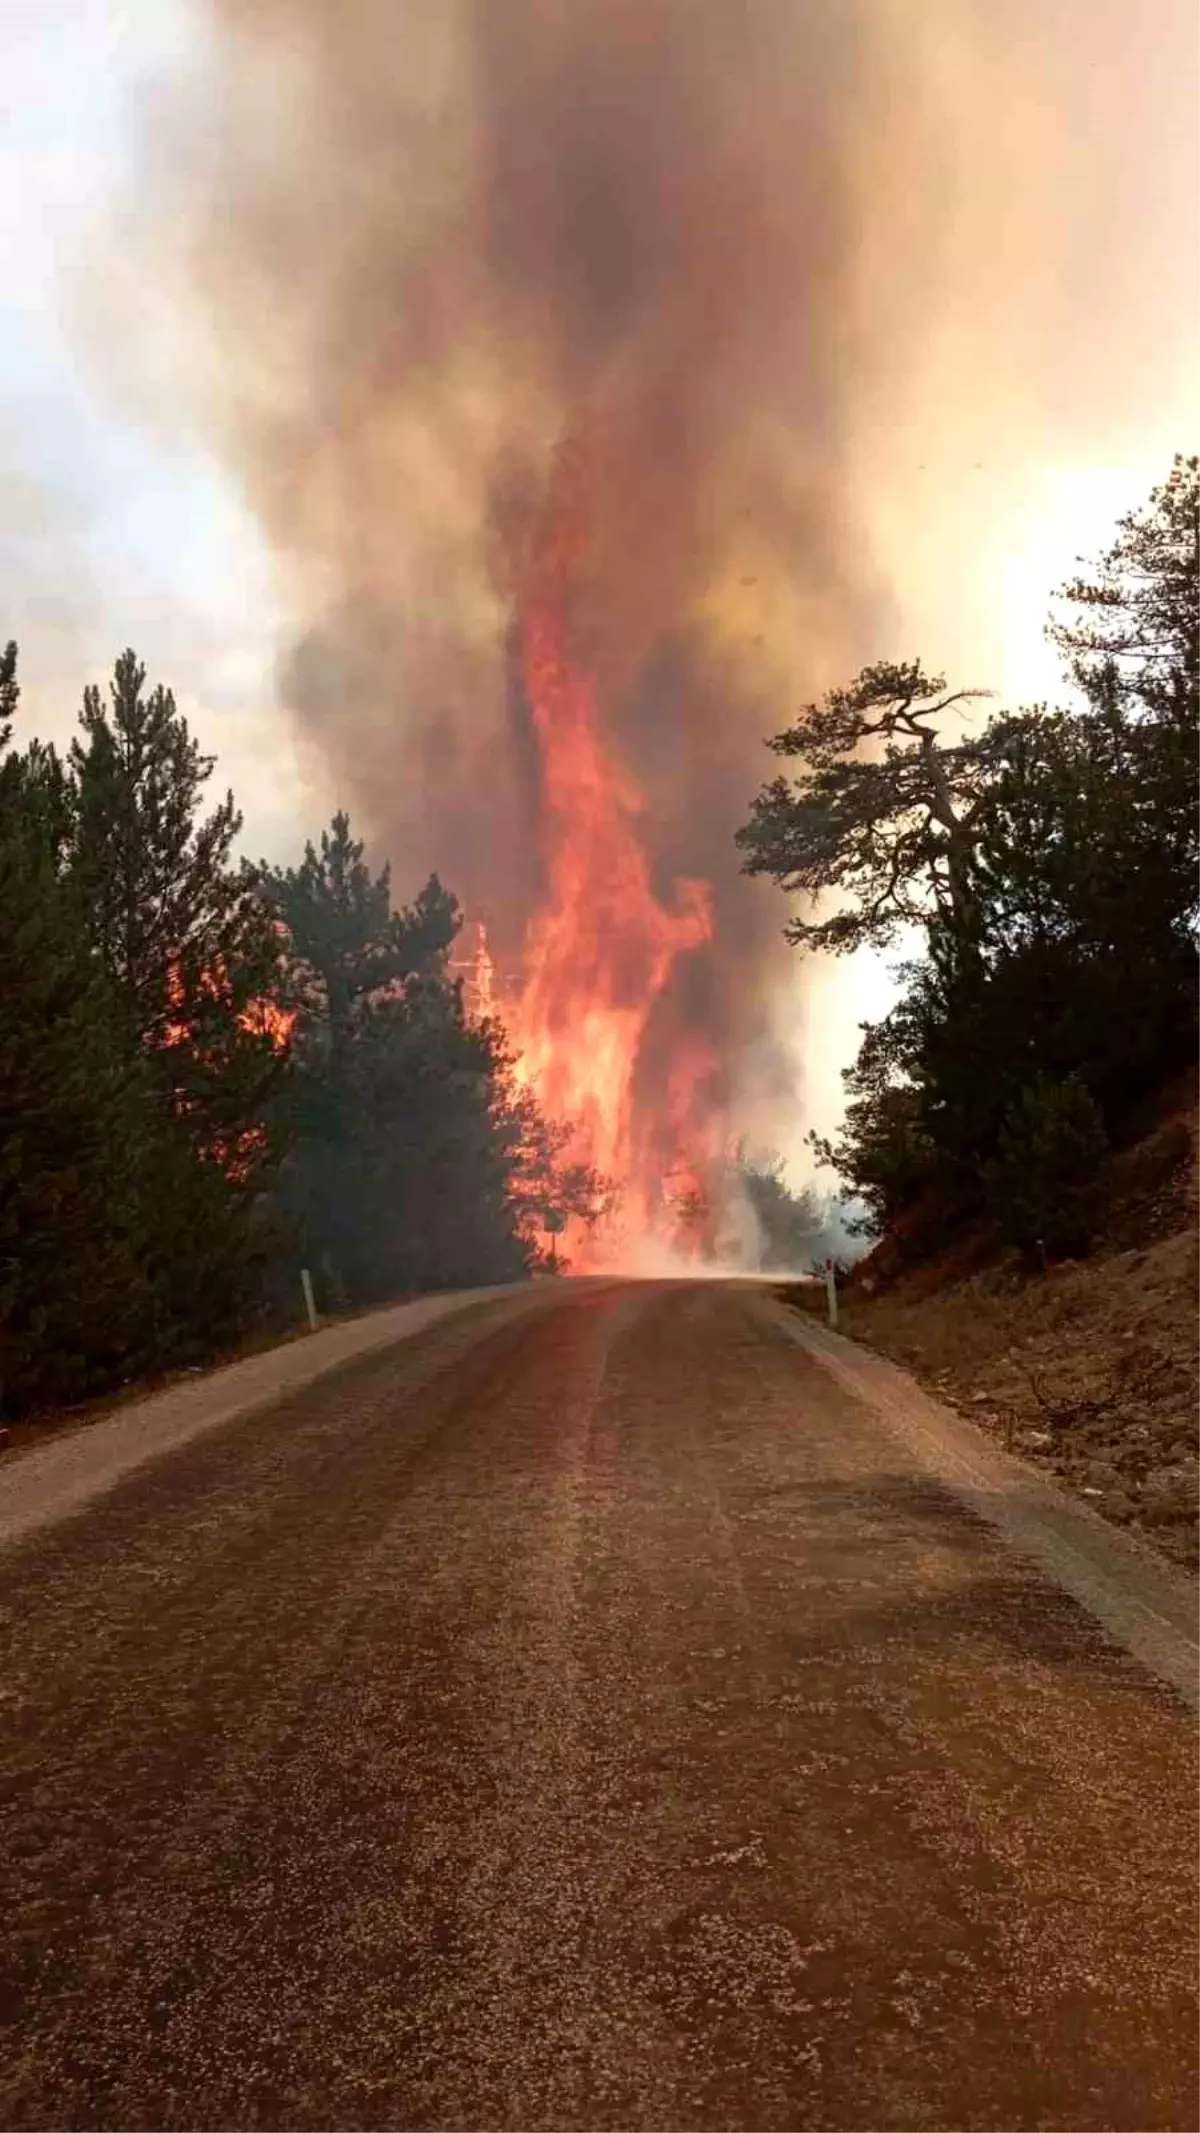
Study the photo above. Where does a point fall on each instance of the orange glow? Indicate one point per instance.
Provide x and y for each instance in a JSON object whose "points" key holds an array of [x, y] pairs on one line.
{"points": [[235, 1153], [259, 1018], [265, 1018], [601, 950], [484, 974]]}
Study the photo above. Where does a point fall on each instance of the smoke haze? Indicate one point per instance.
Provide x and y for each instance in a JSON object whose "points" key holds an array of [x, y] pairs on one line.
{"points": [[720, 248]]}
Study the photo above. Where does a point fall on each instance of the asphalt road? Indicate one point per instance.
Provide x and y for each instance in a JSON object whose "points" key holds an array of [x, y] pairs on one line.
{"points": [[580, 1715]]}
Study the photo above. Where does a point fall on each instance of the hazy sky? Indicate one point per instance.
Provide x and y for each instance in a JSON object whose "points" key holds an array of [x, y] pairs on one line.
{"points": [[109, 532], [112, 532], [991, 459]]}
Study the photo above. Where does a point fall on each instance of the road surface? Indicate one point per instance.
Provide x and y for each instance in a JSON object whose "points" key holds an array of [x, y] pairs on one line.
{"points": [[582, 1714]]}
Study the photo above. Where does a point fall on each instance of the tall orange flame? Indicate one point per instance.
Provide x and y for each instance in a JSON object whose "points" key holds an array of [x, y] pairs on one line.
{"points": [[601, 950]]}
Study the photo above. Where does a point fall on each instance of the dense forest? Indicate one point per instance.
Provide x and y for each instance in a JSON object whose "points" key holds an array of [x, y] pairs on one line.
{"points": [[1043, 865], [213, 1074]]}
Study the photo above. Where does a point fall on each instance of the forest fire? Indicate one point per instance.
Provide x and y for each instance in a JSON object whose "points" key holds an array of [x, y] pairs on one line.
{"points": [[261, 1019], [633, 226], [602, 947]]}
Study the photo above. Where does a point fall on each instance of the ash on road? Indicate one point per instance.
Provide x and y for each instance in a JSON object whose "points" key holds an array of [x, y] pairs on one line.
{"points": [[579, 1716]]}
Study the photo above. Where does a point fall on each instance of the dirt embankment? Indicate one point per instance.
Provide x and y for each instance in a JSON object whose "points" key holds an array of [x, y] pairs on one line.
{"points": [[1089, 1370]]}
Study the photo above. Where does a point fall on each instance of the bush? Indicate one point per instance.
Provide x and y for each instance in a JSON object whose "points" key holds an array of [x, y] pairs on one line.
{"points": [[1049, 1185]]}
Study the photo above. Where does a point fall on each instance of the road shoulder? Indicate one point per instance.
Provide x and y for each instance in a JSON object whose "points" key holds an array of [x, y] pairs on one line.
{"points": [[52, 1480], [1145, 1605]]}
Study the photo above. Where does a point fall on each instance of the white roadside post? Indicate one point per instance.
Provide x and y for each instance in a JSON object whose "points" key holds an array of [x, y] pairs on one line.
{"points": [[309, 1304], [831, 1291]]}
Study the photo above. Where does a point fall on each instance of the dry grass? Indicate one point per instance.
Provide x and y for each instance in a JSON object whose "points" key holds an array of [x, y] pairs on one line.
{"points": [[1089, 1371]]}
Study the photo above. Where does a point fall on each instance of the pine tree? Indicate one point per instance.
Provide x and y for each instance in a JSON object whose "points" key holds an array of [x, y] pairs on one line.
{"points": [[191, 955], [1049, 1183], [417, 1162], [346, 942], [883, 813], [71, 1292], [1129, 630], [177, 923], [346, 949], [10, 694], [1135, 625]]}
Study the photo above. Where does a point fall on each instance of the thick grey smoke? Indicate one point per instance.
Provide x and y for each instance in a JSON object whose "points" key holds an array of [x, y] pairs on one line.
{"points": [[437, 241]]}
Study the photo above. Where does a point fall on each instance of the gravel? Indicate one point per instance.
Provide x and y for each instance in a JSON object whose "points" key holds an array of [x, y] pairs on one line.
{"points": [[584, 1715], [55, 1478]]}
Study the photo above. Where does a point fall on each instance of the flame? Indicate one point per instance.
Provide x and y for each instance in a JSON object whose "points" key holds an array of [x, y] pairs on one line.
{"points": [[259, 1018], [601, 950], [237, 1152], [484, 974], [266, 1018]]}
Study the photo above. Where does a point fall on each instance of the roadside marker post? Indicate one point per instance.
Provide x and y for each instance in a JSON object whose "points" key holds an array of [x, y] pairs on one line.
{"points": [[309, 1303], [831, 1291]]}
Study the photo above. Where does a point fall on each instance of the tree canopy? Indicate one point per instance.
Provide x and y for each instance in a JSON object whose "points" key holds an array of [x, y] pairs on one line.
{"points": [[70, 1278], [883, 816], [416, 1158], [1132, 622], [1049, 865], [213, 1074]]}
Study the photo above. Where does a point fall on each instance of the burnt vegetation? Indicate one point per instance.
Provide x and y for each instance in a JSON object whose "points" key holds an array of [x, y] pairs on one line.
{"points": [[213, 1074], [1040, 868]]}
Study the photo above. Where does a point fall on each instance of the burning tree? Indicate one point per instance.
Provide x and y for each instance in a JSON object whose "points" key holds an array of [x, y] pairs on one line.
{"points": [[418, 1158], [191, 959]]}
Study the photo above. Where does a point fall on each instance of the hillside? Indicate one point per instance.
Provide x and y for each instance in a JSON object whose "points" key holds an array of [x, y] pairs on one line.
{"points": [[1090, 1371]]}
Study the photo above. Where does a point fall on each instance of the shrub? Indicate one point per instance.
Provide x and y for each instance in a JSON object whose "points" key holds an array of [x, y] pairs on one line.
{"points": [[1049, 1185]]}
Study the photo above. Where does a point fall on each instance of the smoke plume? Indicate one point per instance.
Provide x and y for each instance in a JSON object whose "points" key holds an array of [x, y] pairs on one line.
{"points": [[469, 265]]}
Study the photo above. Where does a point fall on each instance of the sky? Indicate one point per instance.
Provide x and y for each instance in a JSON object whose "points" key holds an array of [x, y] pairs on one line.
{"points": [[113, 532], [988, 464], [1047, 392]]}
